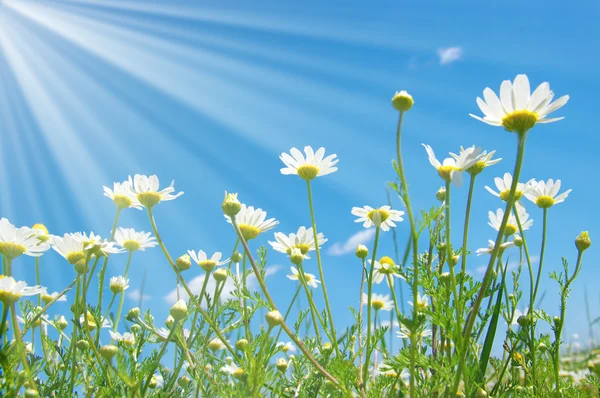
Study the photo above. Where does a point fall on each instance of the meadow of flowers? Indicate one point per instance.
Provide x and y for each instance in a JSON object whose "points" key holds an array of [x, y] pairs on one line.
{"points": [[94, 347]]}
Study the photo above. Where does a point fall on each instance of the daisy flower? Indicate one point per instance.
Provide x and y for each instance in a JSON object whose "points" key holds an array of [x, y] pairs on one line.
{"points": [[230, 368], [384, 267], [483, 160], [311, 280], [309, 167], [303, 240], [382, 217], [126, 338], [422, 302], [378, 301], [118, 284], [207, 264], [544, 193], [286, 347], [405, 333], [131, 240], [491, 245], [503, 185], [41, 232], [451, 168], [518, 110], [17, 241], [69, 247], [252, 222], [11, 290], [121, 195], [145, 190], [91, 322], [512, 225], [48, 297]]}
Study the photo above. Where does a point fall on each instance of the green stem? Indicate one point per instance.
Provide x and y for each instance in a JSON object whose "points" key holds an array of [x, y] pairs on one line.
{"points": [[122, 298], [365, 369], [315, 235], [244, 301], [488, 273], [463, 268], [162, 351], [313, 309], [361, 384], [287, 313], [449, 255], [103, 270], [37, 279]]}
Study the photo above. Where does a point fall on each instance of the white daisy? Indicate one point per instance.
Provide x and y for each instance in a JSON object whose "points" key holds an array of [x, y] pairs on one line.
{"points": [[303, 240], [127, 338], [405, 333], [422, 302], [158, 381], [503, 185], [69, 247], [383, 269], [91, 322], [121, 195], [11, 290], [314, 165], [382, 217], [207, 264], [451, 168], [483, 160], [518, 110], [131, 240], [146, 190], [230, 368], [511, 226], [544, 193], [118, 284], [48, 297], [379, 301], [311, 280], [491, 245], [17, 241], [252, 222], [286, 347]]}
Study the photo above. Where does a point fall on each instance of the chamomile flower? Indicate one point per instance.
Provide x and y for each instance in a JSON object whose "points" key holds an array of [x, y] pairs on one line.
{"points": [[382, 217], [378, 301], [309, 167], [121, 195], [131, 240], [503, 185], [70, 247], [491, 245], [422, 302], [126, 338], [384, 267], [48, 297], [207, 264], [286, 347], [11, 290], [230, 368], [483, 160], [311, 280], [518, 110], [544, 193], [146, 190], [17, 241], [95, 244], [512, 225], [118, 284], [252, 222], [303, 240], [405, 333], [451, 168], [91, 322]]}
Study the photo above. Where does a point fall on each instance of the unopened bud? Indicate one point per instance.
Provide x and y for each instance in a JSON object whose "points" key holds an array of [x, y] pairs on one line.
{"points": [[481, 393], [441, 194], [135, 328], [583, 242], [183, 263], [362, 252], [518, 241], [524, 320], [179, 310], [326, 346], [236, 257], [454, 260], [402, 101], [220, 275], [62, 323], [241, 344], [281, 365], [296, 256], [274, 318], [108, 351], [184, 381], [231, 205], [134, 313], [31, 393], [169, 321], [83, 345]]}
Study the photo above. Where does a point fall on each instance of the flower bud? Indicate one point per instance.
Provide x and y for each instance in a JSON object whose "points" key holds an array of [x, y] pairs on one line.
{"points": [[236, 257], [241, 344], [31, 393], [274, 318], [179, 310], [402, 101], [239, 374], [326, 347], [518, 241], [62, 323], [153, 383], [134, 313], [231, 205], [208, 367], [441, 194], [542, 347], [583, 241], [169, 321], [135, 328], [215, 345], [524, 320], [108, 351], [481, 393], [184, 381], [81, 267], [454, 260], [296, 256], [220, 275], [183, 263], [83, 345], [557, 322], [362, 252], [281, 365], [118, 284], [445, 277]]}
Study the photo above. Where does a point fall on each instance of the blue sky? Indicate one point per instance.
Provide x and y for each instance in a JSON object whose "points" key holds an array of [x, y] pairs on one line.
{"points": [[209, 94]]}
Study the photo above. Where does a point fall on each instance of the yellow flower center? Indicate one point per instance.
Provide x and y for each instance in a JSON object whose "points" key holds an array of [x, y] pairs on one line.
{"points": [[446, 172], [91, 322], [46, 298], [149, 199], [402, 101], [520, 121], [421, 305], [303, 247], [504, 195], [386, 260], [207, 265], [215, 345], [44, 237], [308, 172], [12, 250], [131, 245], [383, 215], [8, 297], [377, 304], [390, 373], [510, 229], [75, 257], [122, 201], [544, 201], [248, 231], [239, 373], [476, 168]]}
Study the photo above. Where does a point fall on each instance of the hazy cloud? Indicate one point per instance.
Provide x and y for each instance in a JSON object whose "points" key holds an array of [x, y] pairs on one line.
{"points": [[136, 295], [448, 55], [349, 246]]}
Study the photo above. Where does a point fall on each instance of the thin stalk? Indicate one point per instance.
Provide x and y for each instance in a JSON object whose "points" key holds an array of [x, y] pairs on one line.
{"points": [[361, 385], [163, 348], [369, 307], [463, 267], [449, 256], [103, 270], [313, 308], [315, 236], [287, 313], [122, 298]]}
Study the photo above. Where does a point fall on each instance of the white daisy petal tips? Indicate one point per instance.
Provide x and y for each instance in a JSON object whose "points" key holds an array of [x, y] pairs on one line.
{"points": [[451, 168], [544, 193], [122, 196], [17, 241], [145, 190], [503, 185], [309, 167], [303, 240], [382, 217], [518, 110], [252, 222]]}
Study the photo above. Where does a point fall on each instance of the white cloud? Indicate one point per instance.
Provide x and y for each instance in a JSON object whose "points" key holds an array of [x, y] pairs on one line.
{"points": [[449, 54], [361, 237], [136, 295], [195, 286]]}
